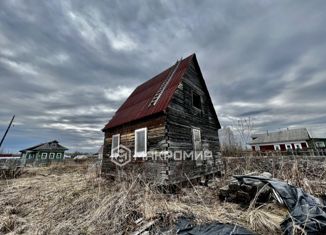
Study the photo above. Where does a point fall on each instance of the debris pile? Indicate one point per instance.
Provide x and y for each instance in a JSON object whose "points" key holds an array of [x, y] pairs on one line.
{"points": [[307, 214], [238, 192]]}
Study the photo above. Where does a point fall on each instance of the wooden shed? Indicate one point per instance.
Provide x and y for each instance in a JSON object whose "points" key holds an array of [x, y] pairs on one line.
{"points": [[166, 130]]}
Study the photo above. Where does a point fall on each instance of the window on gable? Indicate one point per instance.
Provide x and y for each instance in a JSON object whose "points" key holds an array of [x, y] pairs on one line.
{"points": [[115, 145], [141, 142], [196, 100]]}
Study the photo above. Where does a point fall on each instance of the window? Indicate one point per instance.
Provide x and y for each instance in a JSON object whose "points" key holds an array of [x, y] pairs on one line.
{"points": [[115, 145], [196, 100], [288, 146], [59, 155], [196, 139], [44, 155], [51, 155], [297, 146], [277, 147], [141, 142], [320, 144]]}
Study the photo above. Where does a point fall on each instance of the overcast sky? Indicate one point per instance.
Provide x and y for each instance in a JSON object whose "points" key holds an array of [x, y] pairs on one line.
{"points": [[66, 66]]}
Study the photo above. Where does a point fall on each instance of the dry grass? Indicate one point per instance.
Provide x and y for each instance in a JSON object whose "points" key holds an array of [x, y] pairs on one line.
{"points": [[260, 219], [73, 200]]}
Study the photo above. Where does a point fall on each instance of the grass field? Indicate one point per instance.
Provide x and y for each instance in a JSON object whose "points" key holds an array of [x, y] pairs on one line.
{"points": [[72, 199]]}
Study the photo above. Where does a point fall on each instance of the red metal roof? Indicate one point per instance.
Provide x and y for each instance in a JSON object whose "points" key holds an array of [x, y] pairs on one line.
{"points": [[137, 105]]}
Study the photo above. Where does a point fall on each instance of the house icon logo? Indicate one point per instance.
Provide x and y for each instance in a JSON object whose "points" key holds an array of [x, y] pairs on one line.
{"points": [[121, 155]]}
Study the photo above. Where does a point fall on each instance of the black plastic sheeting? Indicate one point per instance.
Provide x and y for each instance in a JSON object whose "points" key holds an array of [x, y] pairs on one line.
{"points": [[185, 227], [306, 211]]}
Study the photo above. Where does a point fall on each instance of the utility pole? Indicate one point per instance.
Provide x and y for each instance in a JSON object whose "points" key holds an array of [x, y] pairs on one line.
{"points": [[4, 136]]}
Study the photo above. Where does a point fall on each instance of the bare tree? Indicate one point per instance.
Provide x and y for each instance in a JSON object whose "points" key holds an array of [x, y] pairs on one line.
{"points": [[229, 144], [244, 127]]}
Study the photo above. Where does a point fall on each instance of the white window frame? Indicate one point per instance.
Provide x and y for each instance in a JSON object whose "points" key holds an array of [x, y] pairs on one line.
{"points": [[141, 154], [44, 155], [115, 136], [193, 137], [277, 146], [286, 146], [296, 147], [59, 155], [51, 155]]}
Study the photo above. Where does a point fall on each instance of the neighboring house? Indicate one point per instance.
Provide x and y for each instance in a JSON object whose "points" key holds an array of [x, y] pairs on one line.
{"points": [[8, 155], [44, 153], [286, 140], [9, 162], [171, 112]]}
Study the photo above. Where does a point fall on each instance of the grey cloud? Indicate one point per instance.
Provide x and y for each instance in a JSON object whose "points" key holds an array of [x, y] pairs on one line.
{"points": [[65, 66]]}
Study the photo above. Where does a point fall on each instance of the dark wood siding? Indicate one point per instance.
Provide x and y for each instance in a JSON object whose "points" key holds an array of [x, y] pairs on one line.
{"points": [[156, 141], [173, 131], [182, 116]]}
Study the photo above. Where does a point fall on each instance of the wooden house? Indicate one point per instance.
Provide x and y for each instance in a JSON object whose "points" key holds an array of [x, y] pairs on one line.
{"points": [[286, 140], [171, 114], [44, 153]]}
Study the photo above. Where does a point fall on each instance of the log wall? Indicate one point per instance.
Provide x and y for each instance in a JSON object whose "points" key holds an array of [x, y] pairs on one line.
{"points": [[173, 131], [182, 117], [156, 141]]}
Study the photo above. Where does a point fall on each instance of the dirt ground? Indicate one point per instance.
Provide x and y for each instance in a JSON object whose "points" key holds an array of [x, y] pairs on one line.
{"points": [[72, 199]]}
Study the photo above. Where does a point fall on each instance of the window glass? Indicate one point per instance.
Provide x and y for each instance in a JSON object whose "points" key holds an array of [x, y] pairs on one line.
{"points": [[140, 141], [196, 139], [115, 144], [196, 100], [59, 155]]}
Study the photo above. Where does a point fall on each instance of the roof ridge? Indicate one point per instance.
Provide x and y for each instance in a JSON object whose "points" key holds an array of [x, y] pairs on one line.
{"points": [[136, 106], [38, 145]]}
